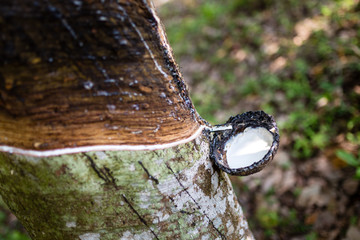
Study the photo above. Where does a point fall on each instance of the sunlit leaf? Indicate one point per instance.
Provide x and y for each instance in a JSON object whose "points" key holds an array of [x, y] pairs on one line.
{"points": [[348, 158]]}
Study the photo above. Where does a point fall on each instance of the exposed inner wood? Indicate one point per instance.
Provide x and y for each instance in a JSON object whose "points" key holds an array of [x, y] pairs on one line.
{"points": [[84, 73]]}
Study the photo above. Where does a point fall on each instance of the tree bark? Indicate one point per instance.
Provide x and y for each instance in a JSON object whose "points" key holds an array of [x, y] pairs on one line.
{"points": [[174, 193], [98, 136], [68, 66]]}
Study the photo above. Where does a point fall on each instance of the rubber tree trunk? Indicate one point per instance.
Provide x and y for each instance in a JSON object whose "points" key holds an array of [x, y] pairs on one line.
{"points": [[98, 136]]}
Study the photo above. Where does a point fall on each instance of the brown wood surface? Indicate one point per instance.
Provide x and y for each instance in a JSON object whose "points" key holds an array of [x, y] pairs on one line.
{"points": [[84, 73]]}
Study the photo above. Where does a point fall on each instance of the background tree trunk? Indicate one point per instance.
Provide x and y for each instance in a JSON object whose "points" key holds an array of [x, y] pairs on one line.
{"points": [[99, 139]]}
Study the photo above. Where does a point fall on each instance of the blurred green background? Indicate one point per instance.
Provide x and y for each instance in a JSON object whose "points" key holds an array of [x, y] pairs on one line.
{"points": [[298, 60], [10, 227]]}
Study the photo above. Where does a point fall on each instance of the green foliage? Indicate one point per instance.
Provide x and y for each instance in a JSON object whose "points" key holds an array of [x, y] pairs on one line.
{"points": [[250, 87], [15, 235], [209, 106], [9, 232], [311, 236], [353, 220], [272, 221], [267, 219], [314, 87], [351, 160]]}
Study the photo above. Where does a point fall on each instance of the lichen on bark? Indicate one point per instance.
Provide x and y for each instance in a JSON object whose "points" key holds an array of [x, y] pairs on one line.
{"points": [[170, 193]]}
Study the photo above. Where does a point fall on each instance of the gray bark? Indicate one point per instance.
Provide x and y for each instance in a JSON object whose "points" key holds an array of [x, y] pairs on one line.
{"points": [[174, 193]]}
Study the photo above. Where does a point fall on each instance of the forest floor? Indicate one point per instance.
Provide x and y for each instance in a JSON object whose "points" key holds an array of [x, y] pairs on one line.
{"points": [[300, 62]]}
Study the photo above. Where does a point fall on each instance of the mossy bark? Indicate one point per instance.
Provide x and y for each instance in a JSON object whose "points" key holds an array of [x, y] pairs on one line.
{"points": [[174, 193]]}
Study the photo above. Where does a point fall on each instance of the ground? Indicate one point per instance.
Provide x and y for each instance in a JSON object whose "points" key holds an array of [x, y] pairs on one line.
{"points": [[300, 62]]}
